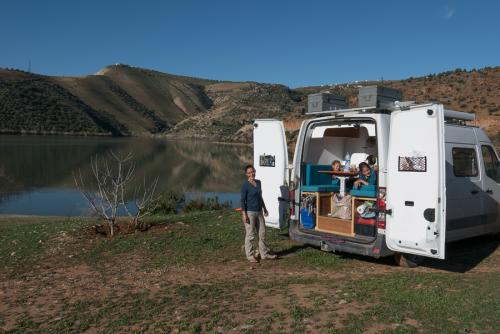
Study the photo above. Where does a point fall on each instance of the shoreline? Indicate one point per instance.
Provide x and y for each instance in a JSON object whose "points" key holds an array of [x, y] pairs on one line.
{"points": [[108, 136]]}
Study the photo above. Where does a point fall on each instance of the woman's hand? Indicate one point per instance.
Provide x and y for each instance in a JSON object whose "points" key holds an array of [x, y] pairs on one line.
{"points": [[266, 213], [245, 218], [359, 182]]}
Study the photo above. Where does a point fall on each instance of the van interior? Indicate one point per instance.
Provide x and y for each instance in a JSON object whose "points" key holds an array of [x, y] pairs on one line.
{"points": [[332, 202]]}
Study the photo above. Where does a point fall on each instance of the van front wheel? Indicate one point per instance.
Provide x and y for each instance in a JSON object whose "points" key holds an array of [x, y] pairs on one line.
{"points": [[408, 260]]}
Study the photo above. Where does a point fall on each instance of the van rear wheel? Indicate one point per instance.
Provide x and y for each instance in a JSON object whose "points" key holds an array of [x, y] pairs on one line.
{"points": [[408, 260]]}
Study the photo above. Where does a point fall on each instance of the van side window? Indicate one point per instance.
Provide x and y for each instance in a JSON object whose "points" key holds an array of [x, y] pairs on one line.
{"points": [[491, 164], [464, 161]]}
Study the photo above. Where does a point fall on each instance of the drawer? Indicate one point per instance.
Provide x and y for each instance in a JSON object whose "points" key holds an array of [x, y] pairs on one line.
{"points": [[334, 225]]}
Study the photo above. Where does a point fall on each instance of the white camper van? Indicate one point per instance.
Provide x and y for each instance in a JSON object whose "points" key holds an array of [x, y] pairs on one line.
{"points": [[437, 180]]}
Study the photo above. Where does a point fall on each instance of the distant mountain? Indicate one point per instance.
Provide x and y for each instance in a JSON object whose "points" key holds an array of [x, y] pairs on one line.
{"points": [[119, 100], [126, 100]]}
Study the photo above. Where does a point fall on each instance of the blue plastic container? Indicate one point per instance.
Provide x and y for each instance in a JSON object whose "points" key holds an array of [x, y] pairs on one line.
{"points": [[308, 219]]}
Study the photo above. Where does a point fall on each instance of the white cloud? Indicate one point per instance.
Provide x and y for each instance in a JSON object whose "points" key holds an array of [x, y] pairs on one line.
{"points": [[448, 12]]}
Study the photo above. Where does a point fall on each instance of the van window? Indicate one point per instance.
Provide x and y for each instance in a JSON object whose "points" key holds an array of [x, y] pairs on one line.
{"points": [[464, 161], [490, 163]]}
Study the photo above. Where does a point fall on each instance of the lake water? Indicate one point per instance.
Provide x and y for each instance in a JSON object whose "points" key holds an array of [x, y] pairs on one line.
{"points": [[36, 172]]}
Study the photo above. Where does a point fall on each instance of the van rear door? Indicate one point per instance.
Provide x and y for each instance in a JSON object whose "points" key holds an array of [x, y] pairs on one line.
{"points": [[270, 158], [416, 182]]}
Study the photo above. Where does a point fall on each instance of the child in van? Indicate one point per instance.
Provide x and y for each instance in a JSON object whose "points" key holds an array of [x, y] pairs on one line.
{"points": [[371, 160], [367, 176], [336, 167]]}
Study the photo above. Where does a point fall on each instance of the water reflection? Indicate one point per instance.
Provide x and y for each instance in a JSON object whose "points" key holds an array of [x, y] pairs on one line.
{"points": [[36, 173]]}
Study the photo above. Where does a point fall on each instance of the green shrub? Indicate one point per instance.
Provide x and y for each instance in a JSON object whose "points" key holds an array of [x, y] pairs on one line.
{"points": [[169, 203], [205, 204]]}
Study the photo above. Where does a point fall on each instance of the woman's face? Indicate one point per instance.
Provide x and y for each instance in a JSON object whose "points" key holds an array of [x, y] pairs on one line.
{"points": [[336, 167], [250, 173], [366, 171]]}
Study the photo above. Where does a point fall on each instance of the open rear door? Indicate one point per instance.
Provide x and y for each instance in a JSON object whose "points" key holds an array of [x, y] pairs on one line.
{"points": [[416, 185], [270, 158]]}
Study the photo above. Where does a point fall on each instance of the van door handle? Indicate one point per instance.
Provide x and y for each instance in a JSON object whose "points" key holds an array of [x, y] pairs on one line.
{"points": [[489, 191], [473, 192]]}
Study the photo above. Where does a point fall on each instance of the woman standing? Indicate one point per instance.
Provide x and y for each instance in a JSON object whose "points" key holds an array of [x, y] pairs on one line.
{"points": [[253, 211]]}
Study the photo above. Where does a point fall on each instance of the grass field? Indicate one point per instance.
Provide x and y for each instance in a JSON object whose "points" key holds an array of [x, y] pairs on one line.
{"points": [[188, 274]]}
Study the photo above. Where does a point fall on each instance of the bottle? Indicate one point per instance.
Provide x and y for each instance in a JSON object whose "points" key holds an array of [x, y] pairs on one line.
{"points": [[347, 159]]}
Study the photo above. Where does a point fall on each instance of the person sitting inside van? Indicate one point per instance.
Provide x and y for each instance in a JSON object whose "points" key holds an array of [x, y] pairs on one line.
{"points": [[336, 167], [367, 176]]}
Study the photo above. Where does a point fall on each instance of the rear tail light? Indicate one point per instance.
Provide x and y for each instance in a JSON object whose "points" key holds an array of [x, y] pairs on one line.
{"points": [[381, 207]]}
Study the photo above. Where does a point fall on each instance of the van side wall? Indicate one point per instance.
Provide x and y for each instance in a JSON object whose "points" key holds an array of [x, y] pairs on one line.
{"points": [[468, 204]]}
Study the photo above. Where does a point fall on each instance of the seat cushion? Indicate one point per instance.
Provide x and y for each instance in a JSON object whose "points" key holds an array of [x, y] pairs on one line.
{"points": [[322, 188], [314, 177], [365, 191]]}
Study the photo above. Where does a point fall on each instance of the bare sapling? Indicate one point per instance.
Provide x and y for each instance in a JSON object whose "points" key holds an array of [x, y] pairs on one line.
{"points": [[113, 181], [145, 201]]}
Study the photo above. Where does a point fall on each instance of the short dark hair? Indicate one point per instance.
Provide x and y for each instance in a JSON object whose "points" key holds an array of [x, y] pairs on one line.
{"points": [[371, 159], [248, 166], [363, 164], [336, 162]]}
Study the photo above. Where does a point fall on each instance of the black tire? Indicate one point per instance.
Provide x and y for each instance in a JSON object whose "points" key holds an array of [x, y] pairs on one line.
{"points": [[408, 260]]}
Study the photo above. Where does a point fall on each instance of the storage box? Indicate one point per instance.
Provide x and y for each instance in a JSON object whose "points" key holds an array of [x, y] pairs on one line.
{"points": [[366, 227], [324, 102], [377, 96], [335, 225], [307, 218]]}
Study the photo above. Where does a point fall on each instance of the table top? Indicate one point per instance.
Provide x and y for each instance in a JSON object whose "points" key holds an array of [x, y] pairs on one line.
{"points": [[339, 173]]}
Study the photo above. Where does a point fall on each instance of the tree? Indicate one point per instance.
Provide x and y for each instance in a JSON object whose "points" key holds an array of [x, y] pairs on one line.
{"points": [[112, 183]]}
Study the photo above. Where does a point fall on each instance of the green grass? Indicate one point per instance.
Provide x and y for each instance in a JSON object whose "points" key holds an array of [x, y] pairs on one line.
{"points": [[22, 243], [188, 274]]}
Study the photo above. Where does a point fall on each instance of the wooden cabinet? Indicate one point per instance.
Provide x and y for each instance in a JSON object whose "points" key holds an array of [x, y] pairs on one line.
{"points": [[335, 225], [325, 204], [325, 223]]}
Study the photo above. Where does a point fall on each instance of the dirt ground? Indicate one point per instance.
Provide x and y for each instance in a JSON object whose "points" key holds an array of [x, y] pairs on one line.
{"points": [[66, 293]]}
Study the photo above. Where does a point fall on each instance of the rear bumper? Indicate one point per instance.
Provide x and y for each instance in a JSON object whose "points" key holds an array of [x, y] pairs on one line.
{"points": [[375, 248]]}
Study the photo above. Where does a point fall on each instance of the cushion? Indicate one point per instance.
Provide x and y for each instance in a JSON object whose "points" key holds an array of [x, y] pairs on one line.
{"points": [[314, 177], [321, 188], [365, 191]]}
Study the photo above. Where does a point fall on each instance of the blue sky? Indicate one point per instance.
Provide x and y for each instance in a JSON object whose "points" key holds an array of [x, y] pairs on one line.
{"points": [[296, 43]]}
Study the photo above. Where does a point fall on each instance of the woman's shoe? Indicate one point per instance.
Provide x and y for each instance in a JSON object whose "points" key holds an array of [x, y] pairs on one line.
{"points": [[270, 257], [253, 260]]}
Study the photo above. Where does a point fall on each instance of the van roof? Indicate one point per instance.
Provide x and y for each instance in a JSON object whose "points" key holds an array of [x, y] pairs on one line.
{"points": [[451, 116]]}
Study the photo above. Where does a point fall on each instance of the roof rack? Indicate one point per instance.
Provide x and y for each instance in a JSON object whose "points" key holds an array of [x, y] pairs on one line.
{"points": [[458, 115], [337, 111]]}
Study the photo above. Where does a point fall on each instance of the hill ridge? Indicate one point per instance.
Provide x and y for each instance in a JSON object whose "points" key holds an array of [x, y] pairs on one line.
{"points": [[126, 100]]}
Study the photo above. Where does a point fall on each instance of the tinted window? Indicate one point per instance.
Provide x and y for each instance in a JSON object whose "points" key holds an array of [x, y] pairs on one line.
{"points": [[490, 163], [464, 161]]}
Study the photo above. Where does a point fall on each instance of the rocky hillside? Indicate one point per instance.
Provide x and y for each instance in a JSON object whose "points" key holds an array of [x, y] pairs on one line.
{"points": [[235, 105], [119, 100], [475, 91], [125, 100]]}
